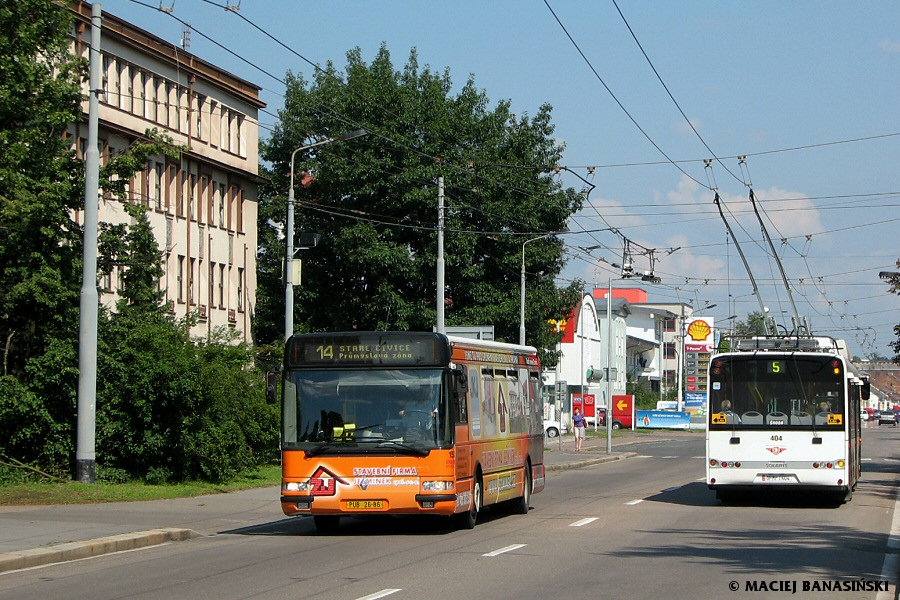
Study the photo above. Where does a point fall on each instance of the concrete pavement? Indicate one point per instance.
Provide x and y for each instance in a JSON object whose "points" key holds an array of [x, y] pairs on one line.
{"points": [[37, 535]]}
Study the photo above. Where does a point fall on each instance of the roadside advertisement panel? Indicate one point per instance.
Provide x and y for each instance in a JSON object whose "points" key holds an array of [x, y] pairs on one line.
{"points": [[663, 419]]}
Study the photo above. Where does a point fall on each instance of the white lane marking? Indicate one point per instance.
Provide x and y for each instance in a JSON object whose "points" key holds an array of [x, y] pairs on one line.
{"points": [[672, 489], [509, 548], [381, 594], [583, 522], [867, 460], [643, 456], [891, 558], [633, 502], [671, 457], [701, 479]]}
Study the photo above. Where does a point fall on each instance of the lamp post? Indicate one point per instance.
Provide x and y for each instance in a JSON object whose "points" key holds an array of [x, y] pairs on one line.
{"points": [[522, 291], [289, 233]]}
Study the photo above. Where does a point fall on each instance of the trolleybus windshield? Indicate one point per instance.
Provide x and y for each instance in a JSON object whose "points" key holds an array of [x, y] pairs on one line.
{"points": [[370, 411], [781, 390]]}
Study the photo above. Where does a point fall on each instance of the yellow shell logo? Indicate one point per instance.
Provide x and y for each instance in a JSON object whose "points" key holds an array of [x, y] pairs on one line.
{"points": [[699, 330]]}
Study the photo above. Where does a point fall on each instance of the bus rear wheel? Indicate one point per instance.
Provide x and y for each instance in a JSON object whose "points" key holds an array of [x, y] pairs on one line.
{"points": [[520, 504]]}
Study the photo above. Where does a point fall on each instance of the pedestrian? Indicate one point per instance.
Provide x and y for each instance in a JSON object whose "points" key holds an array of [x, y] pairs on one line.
{"points": [[578, 424]]}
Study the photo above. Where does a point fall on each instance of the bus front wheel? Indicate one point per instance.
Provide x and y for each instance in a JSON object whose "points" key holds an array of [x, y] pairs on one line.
{"points": [[467, 519], [326, 523]]}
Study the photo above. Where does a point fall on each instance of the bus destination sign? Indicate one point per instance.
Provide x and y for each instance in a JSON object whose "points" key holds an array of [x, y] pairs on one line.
{"points": [[368, 350]]}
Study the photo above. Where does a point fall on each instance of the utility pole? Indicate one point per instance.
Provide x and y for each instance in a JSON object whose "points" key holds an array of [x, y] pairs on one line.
{"points": [[85, 442], [439, 326]]}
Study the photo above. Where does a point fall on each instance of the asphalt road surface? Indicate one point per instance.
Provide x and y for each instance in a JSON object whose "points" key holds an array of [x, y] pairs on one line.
{"points": [[644, 527]]}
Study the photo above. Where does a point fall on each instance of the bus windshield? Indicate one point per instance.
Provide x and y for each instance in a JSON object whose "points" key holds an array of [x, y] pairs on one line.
{"points": [[784, 390], [366, 410]]}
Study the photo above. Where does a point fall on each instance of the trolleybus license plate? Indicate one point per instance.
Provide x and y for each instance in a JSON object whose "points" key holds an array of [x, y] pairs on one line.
{"points": [[365, 504], [775, 478]]}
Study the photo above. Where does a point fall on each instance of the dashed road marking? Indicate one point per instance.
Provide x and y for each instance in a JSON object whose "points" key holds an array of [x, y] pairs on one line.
{"points": [[583, 522], [509, 548]]}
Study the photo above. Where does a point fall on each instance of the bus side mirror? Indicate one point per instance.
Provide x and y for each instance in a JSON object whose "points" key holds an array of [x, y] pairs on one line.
{"points": [[460, 381], [866, 390], [271, 387]]}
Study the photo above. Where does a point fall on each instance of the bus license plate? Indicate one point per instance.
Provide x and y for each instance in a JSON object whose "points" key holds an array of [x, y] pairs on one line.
{"points": [[775, 478], [365, 504]]}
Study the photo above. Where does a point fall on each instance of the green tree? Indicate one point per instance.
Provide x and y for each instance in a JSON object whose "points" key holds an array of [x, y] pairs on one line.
{"points": [[40, 248], [374, 202], [894, 282]]}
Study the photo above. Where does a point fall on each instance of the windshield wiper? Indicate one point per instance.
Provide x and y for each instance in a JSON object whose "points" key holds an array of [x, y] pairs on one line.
{"points": [[400, 445], [321, 448]]}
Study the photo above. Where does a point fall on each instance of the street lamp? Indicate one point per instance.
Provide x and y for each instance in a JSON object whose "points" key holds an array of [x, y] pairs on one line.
{"points": [[289, 233], [522, 291]]}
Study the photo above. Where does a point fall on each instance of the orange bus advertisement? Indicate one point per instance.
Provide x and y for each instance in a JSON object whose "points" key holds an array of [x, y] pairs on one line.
{"points": [[408, 423]]}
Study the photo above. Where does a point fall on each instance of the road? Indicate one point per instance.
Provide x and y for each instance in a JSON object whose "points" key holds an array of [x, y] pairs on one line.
{"points": [[645, 527]]}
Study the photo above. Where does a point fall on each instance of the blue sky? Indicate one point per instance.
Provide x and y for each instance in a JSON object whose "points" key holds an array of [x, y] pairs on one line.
{"points": [[807, 91]]}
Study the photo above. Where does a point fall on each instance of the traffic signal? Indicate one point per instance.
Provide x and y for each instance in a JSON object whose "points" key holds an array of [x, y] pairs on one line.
{"points": [[594, 374]]}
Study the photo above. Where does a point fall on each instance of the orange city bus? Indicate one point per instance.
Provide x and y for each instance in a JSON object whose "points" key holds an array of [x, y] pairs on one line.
{"points": [[408, 423]]}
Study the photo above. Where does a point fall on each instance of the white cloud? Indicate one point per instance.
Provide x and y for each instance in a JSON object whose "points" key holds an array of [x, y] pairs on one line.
{"points": [[683, 128], [890, 46]]}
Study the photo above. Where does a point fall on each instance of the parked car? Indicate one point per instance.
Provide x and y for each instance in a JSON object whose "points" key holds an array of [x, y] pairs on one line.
{"points": [[554, 428], [888, 417], [616, 422]]}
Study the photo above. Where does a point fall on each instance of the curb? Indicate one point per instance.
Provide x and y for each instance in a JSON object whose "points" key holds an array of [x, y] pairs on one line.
{"points": [[11, 561], [589, 461]]}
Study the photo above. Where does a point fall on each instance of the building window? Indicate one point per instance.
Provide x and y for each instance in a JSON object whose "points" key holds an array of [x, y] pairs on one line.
{"points": [[222, 205], [212, 285], [670, 350], [214, 124], [239, 202], [240, 290], [191, 282], [669, 324], [221, 286], [179, 279]]}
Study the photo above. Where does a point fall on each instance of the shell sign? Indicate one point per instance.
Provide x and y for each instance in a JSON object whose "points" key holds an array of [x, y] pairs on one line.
{"points": [[699, 330], [699, 336]]}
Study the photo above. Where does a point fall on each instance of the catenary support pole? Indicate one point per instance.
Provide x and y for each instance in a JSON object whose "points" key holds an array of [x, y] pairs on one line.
{"points": [[85, 441]]}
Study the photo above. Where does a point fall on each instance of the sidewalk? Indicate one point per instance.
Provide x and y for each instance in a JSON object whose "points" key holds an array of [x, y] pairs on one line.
{"points": [[37, 535]]}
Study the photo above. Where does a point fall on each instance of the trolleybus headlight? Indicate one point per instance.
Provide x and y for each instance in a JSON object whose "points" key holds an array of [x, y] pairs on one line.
{"points": [[437, 486], [840, 464], [294, 486]]}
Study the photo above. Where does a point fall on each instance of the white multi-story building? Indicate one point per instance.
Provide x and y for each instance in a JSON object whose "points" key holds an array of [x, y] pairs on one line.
{"points": [[203, 204]]}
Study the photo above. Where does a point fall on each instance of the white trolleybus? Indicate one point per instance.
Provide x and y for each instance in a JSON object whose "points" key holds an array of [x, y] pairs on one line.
{"points": [[784, 413]]}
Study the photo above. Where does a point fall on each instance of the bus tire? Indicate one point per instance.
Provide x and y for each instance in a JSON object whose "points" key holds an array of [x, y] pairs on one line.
{"points": [[326, 523], [468, 519], [521, 504]]}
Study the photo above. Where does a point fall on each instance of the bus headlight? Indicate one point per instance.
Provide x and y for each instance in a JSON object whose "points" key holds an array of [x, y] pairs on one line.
{"points": [[294, 486], [437, 486]]}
